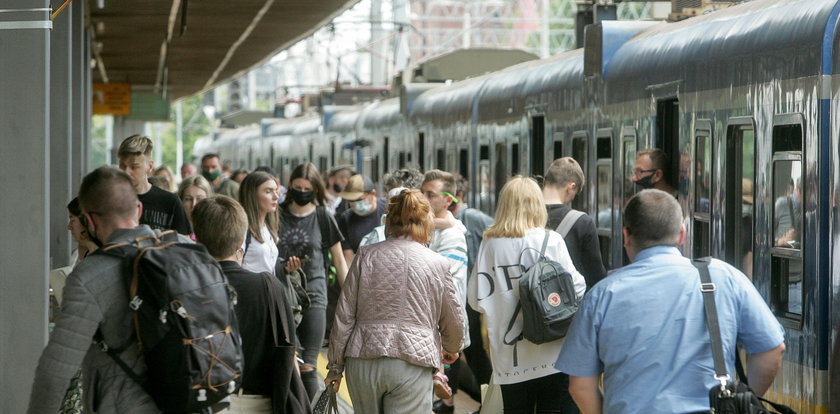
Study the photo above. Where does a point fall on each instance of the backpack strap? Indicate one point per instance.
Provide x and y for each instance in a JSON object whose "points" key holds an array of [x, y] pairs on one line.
{"points": [[545, 244], [323, 224], [247, 243], [568, 222]]}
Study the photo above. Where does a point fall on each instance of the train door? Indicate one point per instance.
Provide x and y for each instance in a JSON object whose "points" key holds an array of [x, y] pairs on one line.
{"points": [[786, 238], [604, 191], [702, 201], [580, 152], [537, 146], [740, 195], [628, 155]]}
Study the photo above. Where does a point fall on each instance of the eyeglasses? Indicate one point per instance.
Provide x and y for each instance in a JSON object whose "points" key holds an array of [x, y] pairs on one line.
{"points": [[637, 172], [432, 194]]}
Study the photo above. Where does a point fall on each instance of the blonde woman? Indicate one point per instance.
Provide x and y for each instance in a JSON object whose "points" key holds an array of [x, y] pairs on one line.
{"points": [[165, 172], [524, 370], [398, 316], [258, 196], [192, 190]]}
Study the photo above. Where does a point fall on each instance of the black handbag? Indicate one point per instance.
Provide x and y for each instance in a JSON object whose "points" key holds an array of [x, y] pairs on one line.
{"points": [[731, 396]]}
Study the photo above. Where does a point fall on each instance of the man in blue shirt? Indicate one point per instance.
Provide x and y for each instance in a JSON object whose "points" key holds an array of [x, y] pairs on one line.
{"points": [[644, 326]]}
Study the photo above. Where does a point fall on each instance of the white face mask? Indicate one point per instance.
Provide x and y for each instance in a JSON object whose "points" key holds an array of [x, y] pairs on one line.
{"points": [[361, 207]]}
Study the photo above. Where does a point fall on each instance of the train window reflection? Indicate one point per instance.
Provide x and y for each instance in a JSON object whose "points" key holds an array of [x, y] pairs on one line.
{"points": [[703, 175], [581, 155], [629, 164], [787, 208], [604, 196]]}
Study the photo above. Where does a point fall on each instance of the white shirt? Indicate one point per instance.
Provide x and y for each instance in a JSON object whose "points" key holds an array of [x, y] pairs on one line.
{"points": [[493, 290], [260, 257], [451, 243]]}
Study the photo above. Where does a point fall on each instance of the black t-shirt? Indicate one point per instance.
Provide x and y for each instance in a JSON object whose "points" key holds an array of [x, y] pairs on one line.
{"points": [[355, 227], [582, 243], [252, 313], [301, 237], [163, 210]]}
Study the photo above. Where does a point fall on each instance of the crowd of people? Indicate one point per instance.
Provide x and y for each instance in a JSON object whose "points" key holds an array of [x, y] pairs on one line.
{"points": [[414, 291]]}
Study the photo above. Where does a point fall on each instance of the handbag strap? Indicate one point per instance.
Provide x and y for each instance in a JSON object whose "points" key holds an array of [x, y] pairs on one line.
{"points": [[708, 288]]}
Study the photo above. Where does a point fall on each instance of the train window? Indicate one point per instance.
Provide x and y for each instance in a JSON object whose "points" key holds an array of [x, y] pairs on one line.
{"points": [[311, 152], [702, 191], [668, 134], [558, 149], [537, 147], [500, 173], [440, 159], [421, 154], [322, 164], [332, 153], [581, 154], [788, 216], [628, 152], [374, 169], [464, 163], [739, 215], [385, 155], [402, 160], [605, 213], [514, 159], [484, 152], [484, 201]]}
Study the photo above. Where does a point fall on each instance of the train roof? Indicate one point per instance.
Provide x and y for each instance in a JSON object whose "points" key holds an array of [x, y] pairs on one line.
{"points": [[448, 104], [755, 41], [513, 90], [342, 120], [307, 125], [242, 133], [382, 113]]}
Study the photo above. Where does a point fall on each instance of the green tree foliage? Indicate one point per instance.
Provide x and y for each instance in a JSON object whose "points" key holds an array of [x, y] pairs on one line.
{"points": [[196, 125]]}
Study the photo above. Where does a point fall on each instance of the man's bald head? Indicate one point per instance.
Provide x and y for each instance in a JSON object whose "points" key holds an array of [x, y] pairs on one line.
{"points": [[109, 193], [653, 218]]}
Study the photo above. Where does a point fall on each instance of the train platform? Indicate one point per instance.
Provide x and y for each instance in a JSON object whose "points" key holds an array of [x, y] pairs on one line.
{"points": [[463, 403]]}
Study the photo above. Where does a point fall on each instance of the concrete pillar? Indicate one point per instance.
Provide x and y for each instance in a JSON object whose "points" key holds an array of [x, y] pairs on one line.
{"points": [[24, 206], [80, 74], [61, 153]]}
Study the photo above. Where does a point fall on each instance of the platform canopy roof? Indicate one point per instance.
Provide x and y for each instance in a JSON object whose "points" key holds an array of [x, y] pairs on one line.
{"points": [[186, 46]]}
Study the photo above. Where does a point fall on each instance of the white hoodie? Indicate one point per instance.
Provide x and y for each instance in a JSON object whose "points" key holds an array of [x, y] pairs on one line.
{"points": [[451, 243]]}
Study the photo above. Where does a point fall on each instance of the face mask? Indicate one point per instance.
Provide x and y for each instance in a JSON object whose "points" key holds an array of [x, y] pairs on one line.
{"points": [[211, 176], [301, 198], [90, 234], [337, 188], [361, 207], [645, 182]]}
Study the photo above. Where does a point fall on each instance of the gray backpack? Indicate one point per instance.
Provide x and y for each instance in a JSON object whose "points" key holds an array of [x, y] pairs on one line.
{"points": [[547, 300]]}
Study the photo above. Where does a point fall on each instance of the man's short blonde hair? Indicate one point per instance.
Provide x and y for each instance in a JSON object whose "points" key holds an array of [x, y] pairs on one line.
{"points": [[135, 145], [563, 171]]}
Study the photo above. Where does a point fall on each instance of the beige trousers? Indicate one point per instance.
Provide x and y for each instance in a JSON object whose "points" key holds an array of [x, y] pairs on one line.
{"points": [[388, 386]]}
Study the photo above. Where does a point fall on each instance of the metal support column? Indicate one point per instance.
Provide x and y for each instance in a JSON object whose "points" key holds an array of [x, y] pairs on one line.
{"points": [[60, 136], [80, 74], [24, 206]]}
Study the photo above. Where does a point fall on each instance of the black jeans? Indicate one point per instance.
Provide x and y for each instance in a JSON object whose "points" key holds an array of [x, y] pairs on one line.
{"points": [[310, 336], [548, 394]]}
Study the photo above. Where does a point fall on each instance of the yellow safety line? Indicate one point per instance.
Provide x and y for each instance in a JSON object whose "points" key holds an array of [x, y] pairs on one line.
{"points": [[322, 369]]}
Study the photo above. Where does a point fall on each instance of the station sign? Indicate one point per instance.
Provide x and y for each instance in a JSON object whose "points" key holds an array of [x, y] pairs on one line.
{"points": [[111, 98]]}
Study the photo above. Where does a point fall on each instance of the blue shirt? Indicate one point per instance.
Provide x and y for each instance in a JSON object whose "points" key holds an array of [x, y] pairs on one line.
{"points": [[644, 327]]}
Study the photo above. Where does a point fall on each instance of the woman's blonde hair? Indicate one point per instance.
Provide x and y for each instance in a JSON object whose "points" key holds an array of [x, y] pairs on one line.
{"points": [[194, 181], [409, 215], [521, 208], [248, 199]]}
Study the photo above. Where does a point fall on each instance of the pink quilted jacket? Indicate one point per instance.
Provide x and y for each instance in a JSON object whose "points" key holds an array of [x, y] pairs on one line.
{"points": [[398, 301]]}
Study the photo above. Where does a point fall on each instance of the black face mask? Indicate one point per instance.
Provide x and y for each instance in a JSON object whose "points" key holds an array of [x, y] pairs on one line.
{"points": [[337, 188], [91, 235], [301, 198], [645, 183]]}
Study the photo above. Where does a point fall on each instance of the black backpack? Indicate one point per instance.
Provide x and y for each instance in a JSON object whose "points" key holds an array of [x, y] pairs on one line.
{"points": [[547, 300], [184, 322]]}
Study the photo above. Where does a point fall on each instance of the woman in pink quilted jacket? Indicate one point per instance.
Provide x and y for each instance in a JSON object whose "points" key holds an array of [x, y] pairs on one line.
{"points": [[397, 317]]}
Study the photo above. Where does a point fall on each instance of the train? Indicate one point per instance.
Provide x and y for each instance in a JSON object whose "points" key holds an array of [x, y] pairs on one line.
{"points": [[745, 101]]}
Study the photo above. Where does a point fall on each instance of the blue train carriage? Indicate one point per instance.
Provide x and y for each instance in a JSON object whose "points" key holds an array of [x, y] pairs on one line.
{"points": [[444, 127], [277, 138], [340, 132], [383, 140], [740, 101]]}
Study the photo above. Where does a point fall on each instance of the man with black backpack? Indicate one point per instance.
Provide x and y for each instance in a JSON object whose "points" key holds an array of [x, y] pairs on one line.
{"points": [[563, 182], [96, 298]]}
